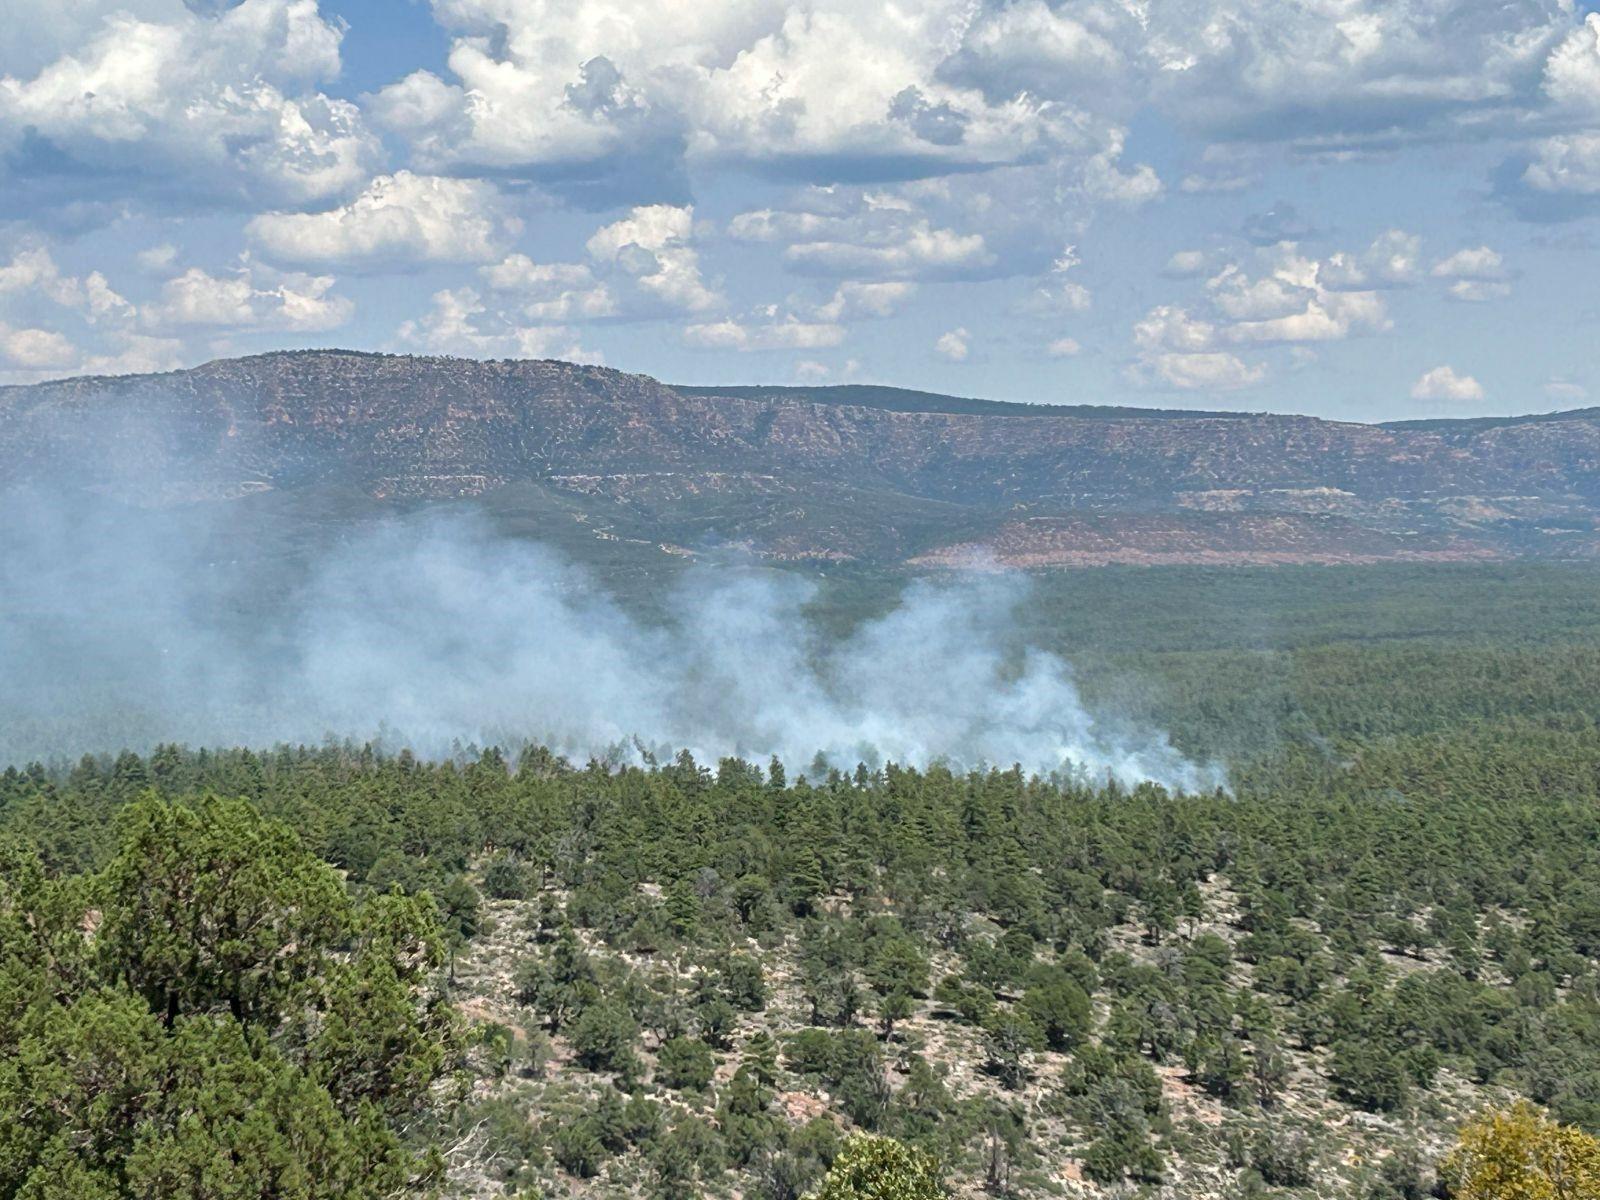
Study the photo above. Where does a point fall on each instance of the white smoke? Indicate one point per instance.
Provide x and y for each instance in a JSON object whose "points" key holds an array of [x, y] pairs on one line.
{"points": [[139, 628]]}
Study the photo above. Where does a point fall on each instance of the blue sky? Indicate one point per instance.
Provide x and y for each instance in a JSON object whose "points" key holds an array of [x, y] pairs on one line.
{"points": [[1361, 209]]}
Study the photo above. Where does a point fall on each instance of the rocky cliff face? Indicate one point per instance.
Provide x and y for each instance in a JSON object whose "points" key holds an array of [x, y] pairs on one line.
{"points": [[795, 473]]}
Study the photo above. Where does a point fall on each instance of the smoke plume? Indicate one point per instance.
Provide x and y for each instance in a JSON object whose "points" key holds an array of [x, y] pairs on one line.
{"points": [[121, 627]]}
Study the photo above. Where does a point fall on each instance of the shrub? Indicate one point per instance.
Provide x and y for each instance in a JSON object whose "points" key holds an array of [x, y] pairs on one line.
{"points": [[880, 1168], [685, 1064]]}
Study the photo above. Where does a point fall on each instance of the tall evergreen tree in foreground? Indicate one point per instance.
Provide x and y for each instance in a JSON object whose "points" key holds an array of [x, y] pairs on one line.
{"points": [[211, 1018]]}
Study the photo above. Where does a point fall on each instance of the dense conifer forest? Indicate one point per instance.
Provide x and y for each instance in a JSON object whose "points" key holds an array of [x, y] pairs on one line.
{"points": [[1369, 968]]}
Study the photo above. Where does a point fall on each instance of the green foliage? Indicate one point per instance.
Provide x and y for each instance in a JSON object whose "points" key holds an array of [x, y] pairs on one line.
{"points": [[1412, 892], [504, 878], [603, 1038], [1369, 1076], [241, 918], [1010, 1038], [895, 964], [880, 1168], [578, 1149], [559, 984], [685, 1064], [1116, 1097], [743, 982], [1282, 1159], [850, 1063], [179, 1026], [689, 1150], [1060, 1009], [1519, 1154]]}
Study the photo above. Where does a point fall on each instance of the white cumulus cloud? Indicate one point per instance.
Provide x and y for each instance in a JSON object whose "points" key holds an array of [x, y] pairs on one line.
{"points": [[1393, 260], [1474, 275], [239, 300], [459, 322], [1446, 383], [397, 220], [1565, 164], [653, 245], [1215, 371], [1185, 264], [1572, 72], [33, 271], [36, 349], [1166, 327], [954, 344], [856, 299], [809, 84], [191, 104], [768, 332], [1479, 262]]}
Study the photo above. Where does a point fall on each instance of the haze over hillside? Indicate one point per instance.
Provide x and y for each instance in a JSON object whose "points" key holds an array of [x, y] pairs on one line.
{"points": [[866, 474]]}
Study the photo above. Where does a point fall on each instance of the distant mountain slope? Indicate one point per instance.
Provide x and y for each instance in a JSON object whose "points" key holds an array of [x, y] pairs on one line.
{"points": [[826, 474], [1459, 426], [893, 399]]}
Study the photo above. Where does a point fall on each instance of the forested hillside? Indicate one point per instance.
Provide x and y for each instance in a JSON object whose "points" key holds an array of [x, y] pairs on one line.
{"points": [[520, 976]]}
